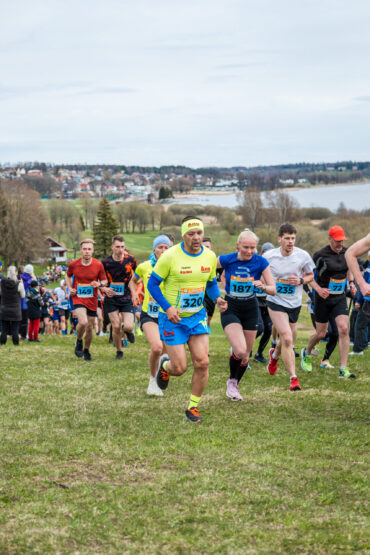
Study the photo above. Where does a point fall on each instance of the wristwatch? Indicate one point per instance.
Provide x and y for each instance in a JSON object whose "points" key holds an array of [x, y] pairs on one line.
{"points": [[302, 281]]}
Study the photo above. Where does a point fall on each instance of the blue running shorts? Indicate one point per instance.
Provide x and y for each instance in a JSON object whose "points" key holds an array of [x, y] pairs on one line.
{"points": [[178, 334]]}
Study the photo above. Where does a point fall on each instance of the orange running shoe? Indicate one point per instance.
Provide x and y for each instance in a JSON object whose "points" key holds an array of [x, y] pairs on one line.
{"points": [[193, 415], [162, 377]]}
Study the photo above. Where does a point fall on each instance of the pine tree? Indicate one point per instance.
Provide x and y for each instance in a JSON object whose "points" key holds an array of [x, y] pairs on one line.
{"points": [[106, 226]]}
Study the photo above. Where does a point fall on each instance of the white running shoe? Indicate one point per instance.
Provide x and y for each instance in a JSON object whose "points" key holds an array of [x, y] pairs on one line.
{"points": [[232, 391], [153, 388], [356, 353], [326, 364], [315, 352]]}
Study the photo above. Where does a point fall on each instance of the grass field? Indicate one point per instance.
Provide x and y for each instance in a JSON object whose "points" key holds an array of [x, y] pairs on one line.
{"points": [[89, 464]]}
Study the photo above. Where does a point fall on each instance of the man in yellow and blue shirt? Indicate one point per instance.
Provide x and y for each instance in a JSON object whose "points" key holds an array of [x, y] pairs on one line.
{"points": [[187, 270]]}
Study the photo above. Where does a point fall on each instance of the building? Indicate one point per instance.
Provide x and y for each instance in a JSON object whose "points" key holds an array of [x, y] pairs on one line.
{"points": [[57, 251]]}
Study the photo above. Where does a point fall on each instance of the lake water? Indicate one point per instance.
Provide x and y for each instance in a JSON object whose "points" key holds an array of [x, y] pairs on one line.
{"points": [[356, 197]]}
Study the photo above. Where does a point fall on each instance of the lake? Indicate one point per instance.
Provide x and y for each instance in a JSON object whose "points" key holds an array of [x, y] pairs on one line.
{"points": [[356, 197]]}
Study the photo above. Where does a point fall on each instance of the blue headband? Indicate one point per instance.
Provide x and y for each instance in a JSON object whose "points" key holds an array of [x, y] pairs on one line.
{"points": [[160, 240]]}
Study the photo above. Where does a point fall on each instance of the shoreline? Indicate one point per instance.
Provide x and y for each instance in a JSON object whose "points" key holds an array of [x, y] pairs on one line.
{"points": [[207, 192]]}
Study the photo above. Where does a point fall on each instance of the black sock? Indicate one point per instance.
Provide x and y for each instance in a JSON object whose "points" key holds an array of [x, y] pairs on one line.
{"points": [[234, 366], [242, 369]]}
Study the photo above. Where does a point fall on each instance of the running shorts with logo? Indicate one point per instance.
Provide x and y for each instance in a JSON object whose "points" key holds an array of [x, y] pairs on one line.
{"points": [[179, 334], [87, 296]]}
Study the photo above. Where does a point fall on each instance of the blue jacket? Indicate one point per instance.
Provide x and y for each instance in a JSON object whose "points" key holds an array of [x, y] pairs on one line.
{"points": [[26, 278], [366, 275]]}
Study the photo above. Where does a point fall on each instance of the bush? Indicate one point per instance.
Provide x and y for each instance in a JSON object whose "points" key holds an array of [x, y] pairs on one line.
{"points": [[317, 213]]}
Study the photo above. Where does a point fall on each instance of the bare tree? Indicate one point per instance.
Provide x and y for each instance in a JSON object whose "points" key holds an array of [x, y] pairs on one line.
{"points": [[252, 209]]}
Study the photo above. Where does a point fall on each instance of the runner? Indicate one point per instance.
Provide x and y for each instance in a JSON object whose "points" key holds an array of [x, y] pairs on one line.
{"points": [[329, 284], [62, 298], [88, 275], [243, 271], [363, 280], [265, 324], [208, 303], [291, 268], [186, 270], [149, 313], [120, 293]]}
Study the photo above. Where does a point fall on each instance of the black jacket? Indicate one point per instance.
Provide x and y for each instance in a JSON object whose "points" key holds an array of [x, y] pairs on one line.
{"points": [[10, 308], [34, 302]]}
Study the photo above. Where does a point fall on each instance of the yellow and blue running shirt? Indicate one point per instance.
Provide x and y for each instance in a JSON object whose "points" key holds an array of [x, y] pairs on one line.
{"points": [[185, 277], [150, 306]]}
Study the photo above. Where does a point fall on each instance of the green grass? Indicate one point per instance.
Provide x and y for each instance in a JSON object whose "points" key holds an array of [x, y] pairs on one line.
{"points": [[89, 464]]}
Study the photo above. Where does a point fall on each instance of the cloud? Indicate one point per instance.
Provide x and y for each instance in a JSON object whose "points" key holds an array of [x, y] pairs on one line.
{"points": [[363, 98]]}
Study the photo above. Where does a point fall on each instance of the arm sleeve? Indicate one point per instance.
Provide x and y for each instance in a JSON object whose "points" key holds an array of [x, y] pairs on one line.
{"points": [[155, 291], [212, 289]]}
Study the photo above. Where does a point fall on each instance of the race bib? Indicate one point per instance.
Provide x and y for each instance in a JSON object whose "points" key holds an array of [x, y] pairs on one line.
{"points": [[153, 308], [337, 286], [64, 305], [191, 299], [259, 292], [85, 291], [284, 288], [118, 288], [241, 286]]}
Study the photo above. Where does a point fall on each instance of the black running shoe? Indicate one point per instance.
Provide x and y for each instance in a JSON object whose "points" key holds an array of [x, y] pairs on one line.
{"points": [[119, 355], [86, 354], [162, 377], [130, 336], [79, 348], [193, 415]]}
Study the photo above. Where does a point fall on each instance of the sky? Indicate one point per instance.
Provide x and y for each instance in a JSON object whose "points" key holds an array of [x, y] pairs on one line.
{"points": [[195, 82]]}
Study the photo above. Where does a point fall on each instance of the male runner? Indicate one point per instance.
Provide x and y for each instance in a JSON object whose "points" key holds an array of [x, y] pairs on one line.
{"points": [[88, 274], [62, 299], [330, 283], [120, 293], [291, 268], [363, 281], [208, 303], [186, 270]]}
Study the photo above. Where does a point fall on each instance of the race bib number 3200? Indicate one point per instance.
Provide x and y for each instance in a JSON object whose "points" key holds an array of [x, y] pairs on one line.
{"points": [[191, 299]]}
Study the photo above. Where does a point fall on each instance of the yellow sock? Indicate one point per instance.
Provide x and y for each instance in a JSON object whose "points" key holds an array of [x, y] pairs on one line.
{"points": [[194, 400]]}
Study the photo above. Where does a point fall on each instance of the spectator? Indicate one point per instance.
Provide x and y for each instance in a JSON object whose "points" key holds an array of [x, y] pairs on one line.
{"points": [[12, 290], [27, 276], [35, 303]]}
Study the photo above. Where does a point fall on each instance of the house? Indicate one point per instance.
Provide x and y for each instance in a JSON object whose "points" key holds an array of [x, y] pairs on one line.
{"points": [[58, 251]]}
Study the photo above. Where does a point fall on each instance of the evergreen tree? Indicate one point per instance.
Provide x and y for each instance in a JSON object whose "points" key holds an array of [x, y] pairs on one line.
{"points": [[106, 226]]}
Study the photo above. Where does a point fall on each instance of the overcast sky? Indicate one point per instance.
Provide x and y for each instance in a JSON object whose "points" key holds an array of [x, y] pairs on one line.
{"points": [[195, 82]]}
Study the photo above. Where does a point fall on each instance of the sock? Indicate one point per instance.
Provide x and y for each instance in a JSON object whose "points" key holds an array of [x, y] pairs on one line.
{"points": [[194, 400], [342, 367], [273, 343], [242, 369], [64, 332], [234, 366], [292, 377], [275, 357]]}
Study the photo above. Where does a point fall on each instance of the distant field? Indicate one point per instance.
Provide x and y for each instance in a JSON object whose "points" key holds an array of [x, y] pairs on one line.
{"points": [[89, 464]]}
